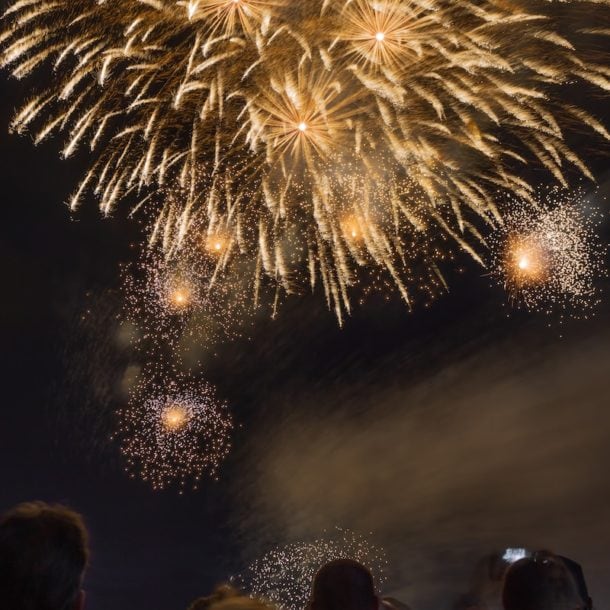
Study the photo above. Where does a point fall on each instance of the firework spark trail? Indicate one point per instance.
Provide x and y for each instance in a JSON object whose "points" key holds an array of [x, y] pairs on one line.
{"points": [[550, 259], [256, 107], [174, 433], [284, 575]]}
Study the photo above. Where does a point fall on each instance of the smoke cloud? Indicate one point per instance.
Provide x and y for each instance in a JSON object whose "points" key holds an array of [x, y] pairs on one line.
{"points": [[503, 444]]}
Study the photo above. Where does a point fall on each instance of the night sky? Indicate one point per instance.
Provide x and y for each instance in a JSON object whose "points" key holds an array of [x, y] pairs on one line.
{"points": [[447, 432]]}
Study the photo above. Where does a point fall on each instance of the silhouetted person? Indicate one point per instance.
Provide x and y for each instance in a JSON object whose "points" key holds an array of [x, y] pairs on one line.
{"points": [[579, 577], [390, 603], [469, 601], [226, 597], [485, 586], [343, 585], [220, 593], [541, 582], [43, 555]]}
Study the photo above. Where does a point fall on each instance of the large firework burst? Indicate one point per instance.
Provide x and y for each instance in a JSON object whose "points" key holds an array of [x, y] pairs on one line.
{"points": [[281, 121], [174, 432], [550, 259], [284, 574]]}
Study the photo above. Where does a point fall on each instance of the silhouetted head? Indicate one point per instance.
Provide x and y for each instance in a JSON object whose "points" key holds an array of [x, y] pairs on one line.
{"points": [[43, 555], [343, 585], [579, 577], [225, 597], [541, 582], [222, 592]]}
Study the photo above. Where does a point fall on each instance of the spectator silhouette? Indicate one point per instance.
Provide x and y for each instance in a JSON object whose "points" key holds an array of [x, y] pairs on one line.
{"points": [[485, 587], [43, 555], [541, 582], [391, 603], [226, 597], [579, 577], [343, 585], [221, 592]]}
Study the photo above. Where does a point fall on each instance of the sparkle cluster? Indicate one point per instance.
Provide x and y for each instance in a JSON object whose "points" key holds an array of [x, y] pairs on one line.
{"points": [[311, 139], [174, 433], [171, 298], [284, 575], [550, 259]]}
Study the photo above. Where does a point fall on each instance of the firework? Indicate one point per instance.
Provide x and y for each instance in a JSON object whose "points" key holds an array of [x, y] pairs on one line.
{"points": [[550, 259], [278, 120], [284, 575], [169, 299], [174, 432]]}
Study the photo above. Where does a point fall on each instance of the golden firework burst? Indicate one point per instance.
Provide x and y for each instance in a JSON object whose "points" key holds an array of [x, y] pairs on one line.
{"points": [[259, 111]]}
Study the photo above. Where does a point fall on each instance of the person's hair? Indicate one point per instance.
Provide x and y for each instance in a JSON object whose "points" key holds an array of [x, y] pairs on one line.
{"points": [[226, 597], [43, 554], [343, 585], [220, 592], [579, 578], [540, 582]]}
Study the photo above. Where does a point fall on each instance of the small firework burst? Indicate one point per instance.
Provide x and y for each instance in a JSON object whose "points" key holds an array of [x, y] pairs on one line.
{"points": [[284, 574], [170, 297], [550, 259], [174, 433], [161, 290]]}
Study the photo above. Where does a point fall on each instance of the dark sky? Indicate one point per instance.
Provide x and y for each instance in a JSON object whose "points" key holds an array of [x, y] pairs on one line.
{"points": [[448, 432]]}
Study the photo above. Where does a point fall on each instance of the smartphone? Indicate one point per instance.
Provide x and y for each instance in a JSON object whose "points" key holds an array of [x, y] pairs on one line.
{"points": [[512, 555]]}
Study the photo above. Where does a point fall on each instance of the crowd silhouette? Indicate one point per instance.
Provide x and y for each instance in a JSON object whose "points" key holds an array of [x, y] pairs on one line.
{"points": [[44, 554]]}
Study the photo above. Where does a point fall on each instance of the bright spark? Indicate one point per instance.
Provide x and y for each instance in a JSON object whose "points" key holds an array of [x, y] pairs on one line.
{"points": [[192, 7], [174, 417], [180, 297]]}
